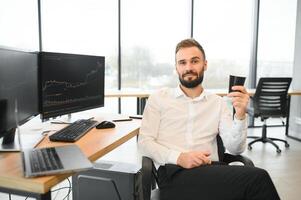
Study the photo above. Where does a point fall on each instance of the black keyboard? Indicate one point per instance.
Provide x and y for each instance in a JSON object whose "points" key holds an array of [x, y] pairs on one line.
{"points": [[44, 160], [74, 131]]}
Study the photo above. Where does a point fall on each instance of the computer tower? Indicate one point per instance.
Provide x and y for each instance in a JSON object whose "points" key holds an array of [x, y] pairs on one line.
{"points": [[108, 180]]}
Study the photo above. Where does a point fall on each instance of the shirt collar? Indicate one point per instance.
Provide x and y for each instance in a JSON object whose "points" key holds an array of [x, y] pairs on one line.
{"points": [[178, 92]]}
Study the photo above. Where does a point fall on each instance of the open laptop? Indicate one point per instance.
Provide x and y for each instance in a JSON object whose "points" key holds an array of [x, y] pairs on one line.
{"points": [[51, 160]]}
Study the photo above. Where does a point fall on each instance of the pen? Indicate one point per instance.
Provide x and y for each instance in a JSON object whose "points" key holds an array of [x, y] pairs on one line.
{"points": [[60, 122], [122, 120], [135, 117], [40, 140]]}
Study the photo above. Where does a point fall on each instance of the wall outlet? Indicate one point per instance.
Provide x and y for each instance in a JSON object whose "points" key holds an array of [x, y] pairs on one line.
{"points": [[298, 120]]}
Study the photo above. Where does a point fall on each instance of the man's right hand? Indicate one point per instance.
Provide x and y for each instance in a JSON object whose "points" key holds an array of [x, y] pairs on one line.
{"points": [[193, 159]]}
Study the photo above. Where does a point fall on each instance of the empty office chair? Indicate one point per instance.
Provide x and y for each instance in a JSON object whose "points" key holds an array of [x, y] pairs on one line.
{"points": [[270, 100], [149, 172]]}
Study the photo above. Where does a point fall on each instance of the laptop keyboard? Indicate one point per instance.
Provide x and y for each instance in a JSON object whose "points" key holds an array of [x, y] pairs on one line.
{"points": [[74, 131], [44, 160]]}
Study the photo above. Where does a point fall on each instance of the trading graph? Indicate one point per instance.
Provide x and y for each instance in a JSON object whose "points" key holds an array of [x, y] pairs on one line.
{"points": [[64, 92], [71, 82]]}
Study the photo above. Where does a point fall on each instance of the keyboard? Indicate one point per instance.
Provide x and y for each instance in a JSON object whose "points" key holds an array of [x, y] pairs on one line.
{"points": [[74, 131], [44, 159]]}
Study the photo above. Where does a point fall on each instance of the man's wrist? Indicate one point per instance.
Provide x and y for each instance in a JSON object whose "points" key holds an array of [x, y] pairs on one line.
{"points": [[173, 157], [240, 117]]}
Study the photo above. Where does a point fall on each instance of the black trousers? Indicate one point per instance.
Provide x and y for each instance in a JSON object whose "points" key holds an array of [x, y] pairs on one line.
{"points": [[215, 182]]}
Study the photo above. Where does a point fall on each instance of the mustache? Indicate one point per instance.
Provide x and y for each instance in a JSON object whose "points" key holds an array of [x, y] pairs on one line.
{"points": [[189, 72]]}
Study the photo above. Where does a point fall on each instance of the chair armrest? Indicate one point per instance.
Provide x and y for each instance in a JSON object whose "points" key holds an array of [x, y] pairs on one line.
{"points": [[228, 158], [147, 177]]}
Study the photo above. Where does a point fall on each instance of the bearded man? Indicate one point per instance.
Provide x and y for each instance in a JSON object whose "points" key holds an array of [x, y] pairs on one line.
{"points": [[179, 129]]}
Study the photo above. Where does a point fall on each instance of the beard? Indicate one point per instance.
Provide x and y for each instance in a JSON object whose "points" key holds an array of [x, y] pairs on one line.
{"points": [[191, 83]]}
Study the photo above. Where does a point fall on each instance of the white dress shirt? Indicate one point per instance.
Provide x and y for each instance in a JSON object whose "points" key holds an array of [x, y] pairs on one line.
{"points": [[173, 123]]}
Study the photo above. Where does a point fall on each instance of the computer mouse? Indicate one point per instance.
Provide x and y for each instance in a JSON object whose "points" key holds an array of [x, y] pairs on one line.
{"points": [[105, 124]]}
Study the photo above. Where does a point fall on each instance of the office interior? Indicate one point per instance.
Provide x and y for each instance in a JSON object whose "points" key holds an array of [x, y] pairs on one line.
{"points": [[253, 38]]}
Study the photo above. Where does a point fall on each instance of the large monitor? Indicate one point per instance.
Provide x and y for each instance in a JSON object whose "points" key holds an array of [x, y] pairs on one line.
{"points": [[18, 83], [70, 83]]}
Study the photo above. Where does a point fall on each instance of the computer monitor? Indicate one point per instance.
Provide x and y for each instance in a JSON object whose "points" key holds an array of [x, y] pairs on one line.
{"points": [[70, 83], [18, 83]]}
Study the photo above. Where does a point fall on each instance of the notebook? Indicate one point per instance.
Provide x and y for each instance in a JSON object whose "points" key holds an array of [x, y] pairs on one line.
{"points": [[51, 160]]}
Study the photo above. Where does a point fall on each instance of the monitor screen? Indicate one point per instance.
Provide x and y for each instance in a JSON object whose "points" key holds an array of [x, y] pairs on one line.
{"points": [[70, 83], [18, 83]]}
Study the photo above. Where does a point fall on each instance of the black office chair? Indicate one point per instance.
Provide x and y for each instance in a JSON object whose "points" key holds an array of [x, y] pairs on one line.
{"points": [[270, 100], [149, 172]]}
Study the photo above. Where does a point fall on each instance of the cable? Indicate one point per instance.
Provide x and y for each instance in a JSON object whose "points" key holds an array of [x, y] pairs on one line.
{"points": [[59, 189], [56, 190], [56, 195], [67, 196]]}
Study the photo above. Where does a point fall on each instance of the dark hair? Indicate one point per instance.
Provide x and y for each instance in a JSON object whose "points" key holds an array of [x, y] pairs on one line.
{"points": [[190, 43]]}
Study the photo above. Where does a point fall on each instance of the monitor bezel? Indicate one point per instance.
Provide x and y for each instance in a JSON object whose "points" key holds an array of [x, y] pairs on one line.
{"points": [[7, 130], [47, 115]]}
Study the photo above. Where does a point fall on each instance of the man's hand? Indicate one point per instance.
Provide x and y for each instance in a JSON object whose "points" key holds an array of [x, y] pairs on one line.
{"points": [[240, 100], [193, 159]]}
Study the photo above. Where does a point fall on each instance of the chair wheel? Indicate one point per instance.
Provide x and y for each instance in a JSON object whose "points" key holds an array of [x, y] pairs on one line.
{"points": [[287, 145], [249, 147], [278, 151]]}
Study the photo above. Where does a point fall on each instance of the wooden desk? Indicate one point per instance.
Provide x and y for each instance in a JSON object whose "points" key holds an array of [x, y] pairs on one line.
{"points": [[146, 93], [94, 144], [143, 95]]}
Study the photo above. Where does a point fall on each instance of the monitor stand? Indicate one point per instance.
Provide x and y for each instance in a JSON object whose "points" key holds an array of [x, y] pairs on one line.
{"points": [[10, 147], [66, 119], [9, 143]]}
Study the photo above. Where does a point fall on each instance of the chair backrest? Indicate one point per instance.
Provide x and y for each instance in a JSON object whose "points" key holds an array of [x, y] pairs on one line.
{"points": [[270, 98]]}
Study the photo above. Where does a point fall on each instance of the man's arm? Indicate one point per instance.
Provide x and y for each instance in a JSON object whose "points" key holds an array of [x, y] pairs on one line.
{"points": [[234, 132], [148, 135]]}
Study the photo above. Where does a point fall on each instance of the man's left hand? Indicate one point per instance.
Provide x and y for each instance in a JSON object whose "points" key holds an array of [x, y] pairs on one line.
{"points": [[240, 100]]}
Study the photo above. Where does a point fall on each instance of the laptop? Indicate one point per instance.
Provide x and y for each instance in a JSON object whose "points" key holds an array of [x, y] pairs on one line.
{"points": [[54, 160], [51, 160]]}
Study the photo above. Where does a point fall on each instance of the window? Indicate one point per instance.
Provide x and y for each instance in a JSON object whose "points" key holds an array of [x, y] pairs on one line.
{"points": [[223, 28], [276, 38], [19, 24], [83, 27], [150, 31]]}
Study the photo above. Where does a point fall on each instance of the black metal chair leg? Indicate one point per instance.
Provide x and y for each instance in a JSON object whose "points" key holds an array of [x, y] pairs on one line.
{"points": [[260, 139], [257, 140], [274, 144], [253, 137], [281, 140]]}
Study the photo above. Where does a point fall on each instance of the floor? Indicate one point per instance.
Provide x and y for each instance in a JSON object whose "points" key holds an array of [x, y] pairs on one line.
{"points": [[284, 168]]}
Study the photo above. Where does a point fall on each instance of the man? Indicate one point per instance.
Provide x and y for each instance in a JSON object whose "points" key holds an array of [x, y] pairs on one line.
{"points": [[179, 130]]}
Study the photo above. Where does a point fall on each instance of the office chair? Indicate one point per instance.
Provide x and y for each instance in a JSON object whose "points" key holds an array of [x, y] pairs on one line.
{"points": [[149, 172], [269, 100]]}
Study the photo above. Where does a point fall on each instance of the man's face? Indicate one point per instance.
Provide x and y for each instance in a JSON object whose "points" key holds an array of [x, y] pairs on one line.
{"points": [[190, 65]]}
